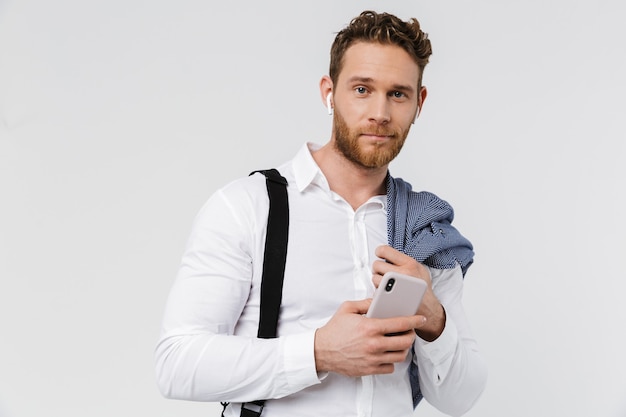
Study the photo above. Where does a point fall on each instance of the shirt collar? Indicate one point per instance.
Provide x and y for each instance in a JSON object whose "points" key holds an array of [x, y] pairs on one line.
{"points": [[307, 172], [305, 169]]}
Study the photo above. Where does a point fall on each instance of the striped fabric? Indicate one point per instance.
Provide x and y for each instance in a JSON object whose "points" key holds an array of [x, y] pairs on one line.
{"points": [[419, 225]]}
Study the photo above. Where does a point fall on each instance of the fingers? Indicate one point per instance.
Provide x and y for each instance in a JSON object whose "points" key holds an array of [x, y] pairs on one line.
{"points": [[398, 343], [355, 307], [394, 325], [354, 345], [393, 260], [398, 325], [395, 334], [391, 255], [380, 353]]}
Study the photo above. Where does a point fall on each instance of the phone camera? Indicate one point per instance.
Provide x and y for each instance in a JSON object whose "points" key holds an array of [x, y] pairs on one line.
{"points": [[390, 283]]}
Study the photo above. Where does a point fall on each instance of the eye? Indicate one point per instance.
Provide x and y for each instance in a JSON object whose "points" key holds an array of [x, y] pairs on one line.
{"points": [[398, 94], [361, 90]]}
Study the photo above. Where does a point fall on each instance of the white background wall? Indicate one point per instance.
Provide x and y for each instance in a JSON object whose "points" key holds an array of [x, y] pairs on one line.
{"points": [[118, 118]]}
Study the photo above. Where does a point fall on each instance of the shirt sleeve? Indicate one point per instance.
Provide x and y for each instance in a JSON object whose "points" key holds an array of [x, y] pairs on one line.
{"points": [[201, 355], [452, 373]]}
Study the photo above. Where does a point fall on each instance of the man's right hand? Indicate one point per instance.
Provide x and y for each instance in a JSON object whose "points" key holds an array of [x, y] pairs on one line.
{"points": [[353, 345]]}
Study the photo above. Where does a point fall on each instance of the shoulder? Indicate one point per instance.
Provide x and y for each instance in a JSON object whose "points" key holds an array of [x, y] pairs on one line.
{"points": [[250, 187], [428, 197], [254, 183], [426, 202], [403, 189], [244, 196], [237, 203]]}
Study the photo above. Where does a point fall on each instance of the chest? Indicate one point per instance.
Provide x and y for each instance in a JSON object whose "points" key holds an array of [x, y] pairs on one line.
{"points": [[329, 257]]}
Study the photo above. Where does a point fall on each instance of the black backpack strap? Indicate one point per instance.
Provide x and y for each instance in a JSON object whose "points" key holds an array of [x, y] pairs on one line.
{"points": [[252, 409], [275, 253], [273, 268]]}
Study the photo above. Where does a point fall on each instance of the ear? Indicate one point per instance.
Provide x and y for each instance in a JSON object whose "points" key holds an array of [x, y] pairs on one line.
{"points": [[421, 98], [326, 88]]}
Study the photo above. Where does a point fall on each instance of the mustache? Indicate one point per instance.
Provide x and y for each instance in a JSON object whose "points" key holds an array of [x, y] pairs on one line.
{"points": [[379, 131]]}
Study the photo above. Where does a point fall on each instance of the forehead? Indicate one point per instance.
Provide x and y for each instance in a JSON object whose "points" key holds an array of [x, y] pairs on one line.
{"points": [[380, 63]]}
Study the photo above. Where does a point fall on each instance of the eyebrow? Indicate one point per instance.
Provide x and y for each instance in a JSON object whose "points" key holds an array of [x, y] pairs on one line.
{"points": [[399, 87]]}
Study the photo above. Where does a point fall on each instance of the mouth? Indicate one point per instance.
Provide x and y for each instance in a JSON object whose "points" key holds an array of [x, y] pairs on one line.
{"points": [[378, 136]]}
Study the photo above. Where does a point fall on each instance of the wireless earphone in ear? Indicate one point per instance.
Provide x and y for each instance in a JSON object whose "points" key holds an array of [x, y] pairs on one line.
{"points": [[328, 105]]}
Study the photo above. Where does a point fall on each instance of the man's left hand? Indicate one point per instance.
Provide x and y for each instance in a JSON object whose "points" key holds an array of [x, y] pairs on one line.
{"points": [[431, 308]]}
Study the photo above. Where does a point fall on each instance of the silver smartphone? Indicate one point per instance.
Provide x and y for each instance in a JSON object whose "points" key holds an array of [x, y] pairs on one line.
{"points": [[397, 295]]}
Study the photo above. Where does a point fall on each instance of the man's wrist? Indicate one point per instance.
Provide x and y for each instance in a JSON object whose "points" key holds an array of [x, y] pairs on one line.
{"points": [[434, 326]]}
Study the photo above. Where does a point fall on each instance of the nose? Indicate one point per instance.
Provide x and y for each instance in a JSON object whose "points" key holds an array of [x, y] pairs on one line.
{"points": [[379, 110]]}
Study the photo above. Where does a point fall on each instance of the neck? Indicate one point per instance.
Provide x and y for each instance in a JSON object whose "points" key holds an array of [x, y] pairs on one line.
{"points": [[354, 183]]}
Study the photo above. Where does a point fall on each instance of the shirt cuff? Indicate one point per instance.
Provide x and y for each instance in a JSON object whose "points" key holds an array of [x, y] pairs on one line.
{"points": [[299, 360], [441, 350]]}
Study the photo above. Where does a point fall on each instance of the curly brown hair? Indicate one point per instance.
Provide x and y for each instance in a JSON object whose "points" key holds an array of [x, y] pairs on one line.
{"points": [[382, 28]]}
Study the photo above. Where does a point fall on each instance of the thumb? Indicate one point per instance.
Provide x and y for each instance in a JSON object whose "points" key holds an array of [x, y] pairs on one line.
{"points": [[355, 307]]}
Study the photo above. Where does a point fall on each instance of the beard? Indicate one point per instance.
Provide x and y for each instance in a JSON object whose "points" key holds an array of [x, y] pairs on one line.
{"points": [[376, 155]]}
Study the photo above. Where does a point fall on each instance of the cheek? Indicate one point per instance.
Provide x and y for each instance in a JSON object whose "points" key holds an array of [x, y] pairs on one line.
{"points": [[353, 109], [406, 116], [352, 118]]}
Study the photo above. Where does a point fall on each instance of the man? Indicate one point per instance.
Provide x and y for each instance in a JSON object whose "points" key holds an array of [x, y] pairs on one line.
{"points": [[328, 359]]}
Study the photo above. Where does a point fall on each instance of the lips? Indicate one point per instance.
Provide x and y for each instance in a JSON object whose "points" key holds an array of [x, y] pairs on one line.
{"points": [[379, 135]]}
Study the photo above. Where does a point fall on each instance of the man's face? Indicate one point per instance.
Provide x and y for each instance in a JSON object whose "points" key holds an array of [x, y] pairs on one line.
{"points": [[375, 102]]}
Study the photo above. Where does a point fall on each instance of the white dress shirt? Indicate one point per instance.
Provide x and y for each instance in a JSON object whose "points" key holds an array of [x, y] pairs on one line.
{"points": [[208, 350]]}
